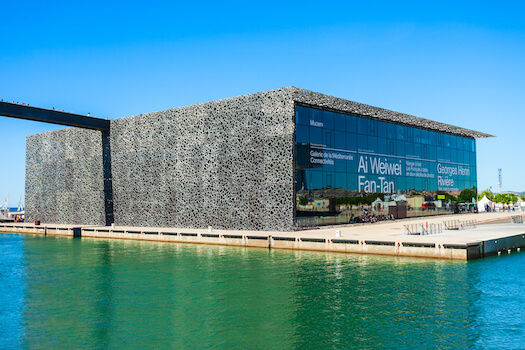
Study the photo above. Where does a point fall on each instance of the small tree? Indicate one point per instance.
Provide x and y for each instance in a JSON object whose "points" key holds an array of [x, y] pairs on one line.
{"points": [[448, 196], [487, 193], [499, 198], [466, 196], [505, 198], [302, 200]]}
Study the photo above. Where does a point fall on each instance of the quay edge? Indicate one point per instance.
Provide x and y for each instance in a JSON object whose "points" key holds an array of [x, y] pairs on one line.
{"points": [[506, 241]]}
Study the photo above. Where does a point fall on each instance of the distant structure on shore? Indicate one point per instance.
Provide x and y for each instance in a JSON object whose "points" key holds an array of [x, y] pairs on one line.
{"points": [[273, 160], [500, 181]]}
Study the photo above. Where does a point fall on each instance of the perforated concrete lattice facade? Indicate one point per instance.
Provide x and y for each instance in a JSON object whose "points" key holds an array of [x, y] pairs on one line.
{"points": [[225, 164], [64, 177], [228, 164]]}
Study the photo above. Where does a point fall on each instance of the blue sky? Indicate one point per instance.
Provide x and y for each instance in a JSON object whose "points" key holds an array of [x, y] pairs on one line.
{"points": [[455, 62]]}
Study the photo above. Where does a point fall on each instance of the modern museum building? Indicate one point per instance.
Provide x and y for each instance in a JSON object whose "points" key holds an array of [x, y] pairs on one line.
{"points": [[273, 160]]}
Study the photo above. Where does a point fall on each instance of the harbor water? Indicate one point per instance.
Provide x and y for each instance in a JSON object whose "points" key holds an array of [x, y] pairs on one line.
{"points": [[58, 292]]}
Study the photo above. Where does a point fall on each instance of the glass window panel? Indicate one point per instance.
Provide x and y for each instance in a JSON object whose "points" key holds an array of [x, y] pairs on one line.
{"points": [[460, 184], [340, 140], [440, 139], [459, 156], [365, 182], [395, 160], [328, 120], [466, 157], [409, 149], [448, 155], [301, 180], [328, 138], [418, 184], [400, 183], [432, 152], [316, 180], [401, 130], [351, 165], [316, 116], [362, 126], [391, 147], [418, 150], [351, 179], [432, 184], [453, 142], [433, 138], [409, 134], [400, 149], [446, 139], [362, 142], [372, 124], [301, 134], [381, 129], [440, 153], [351, 142], [473, 158], [351, 124], [382, 147], [329, 180], [424, 151], [417, 135], [427, 166], [302, 156], [460, 143], [329, 167], [340, 165], [409, 183], [316, 135], [372, 144], [340, 180], [339, 122], [302, 115], [425, 137], [391, 131]]}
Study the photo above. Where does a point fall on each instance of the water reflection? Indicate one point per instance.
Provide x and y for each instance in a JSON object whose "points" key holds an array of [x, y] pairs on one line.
{"points": [[11, 290], [500, 291], [104, 290], [111, 294]]}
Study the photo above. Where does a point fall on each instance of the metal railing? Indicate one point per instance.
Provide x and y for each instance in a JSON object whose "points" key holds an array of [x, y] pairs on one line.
{"points": [[516, 219], [422, 229], [431, 228], [460, 225]]}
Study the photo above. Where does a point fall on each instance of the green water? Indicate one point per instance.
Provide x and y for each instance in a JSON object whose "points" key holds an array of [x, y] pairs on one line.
{"points": [[103, 294]]}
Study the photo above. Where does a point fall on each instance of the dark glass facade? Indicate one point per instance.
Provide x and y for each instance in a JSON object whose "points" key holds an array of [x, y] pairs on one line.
{"points": [[345, 161]]}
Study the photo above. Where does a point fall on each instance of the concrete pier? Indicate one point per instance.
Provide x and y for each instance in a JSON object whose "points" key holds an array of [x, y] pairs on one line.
{"points": [[478, 235]]}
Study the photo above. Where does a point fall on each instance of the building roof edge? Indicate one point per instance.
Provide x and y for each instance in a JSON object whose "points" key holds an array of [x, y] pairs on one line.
{"points": [[335, 103]]}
